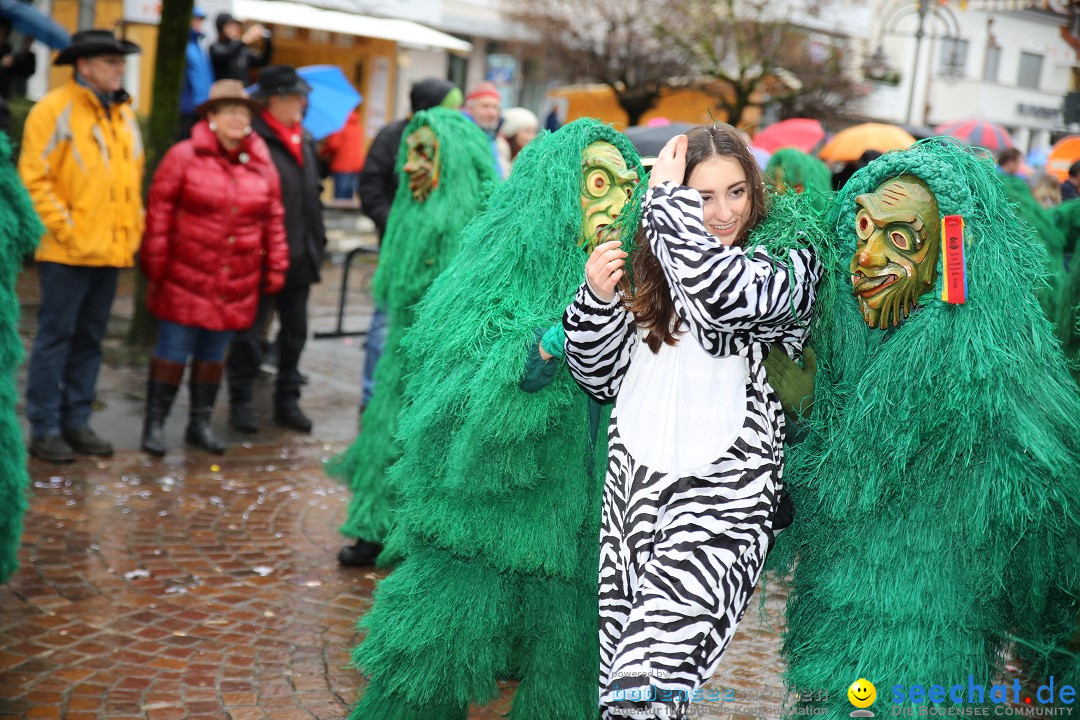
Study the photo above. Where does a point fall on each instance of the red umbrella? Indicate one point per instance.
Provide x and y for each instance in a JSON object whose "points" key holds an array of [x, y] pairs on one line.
{"points": [[978, 133], [801, 133]]}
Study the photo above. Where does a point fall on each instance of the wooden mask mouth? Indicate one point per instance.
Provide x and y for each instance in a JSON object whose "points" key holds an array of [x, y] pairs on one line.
{"points": [[866, 286]]}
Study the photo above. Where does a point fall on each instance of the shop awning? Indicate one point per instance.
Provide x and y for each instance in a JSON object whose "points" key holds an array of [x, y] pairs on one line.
{"points": [[404, 32]]}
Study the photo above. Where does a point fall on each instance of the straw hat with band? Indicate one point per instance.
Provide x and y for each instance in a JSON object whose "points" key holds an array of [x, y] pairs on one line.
{"points": [[227, 92], [91, 43]]}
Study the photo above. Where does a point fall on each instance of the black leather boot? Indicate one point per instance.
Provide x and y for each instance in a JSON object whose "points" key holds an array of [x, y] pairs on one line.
{"points": [[359, 554], [242, 406], [161, 387], [242, 416], [291, 416], [204, 383]]}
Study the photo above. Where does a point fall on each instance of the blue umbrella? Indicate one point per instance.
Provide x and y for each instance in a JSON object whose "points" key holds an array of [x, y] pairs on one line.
{"points": [[331, 100], [1038, 157], [29, 21]]}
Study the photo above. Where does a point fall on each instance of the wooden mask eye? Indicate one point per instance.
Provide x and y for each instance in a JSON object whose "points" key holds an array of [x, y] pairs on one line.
{"points": [[597, 183], [864, 226]]}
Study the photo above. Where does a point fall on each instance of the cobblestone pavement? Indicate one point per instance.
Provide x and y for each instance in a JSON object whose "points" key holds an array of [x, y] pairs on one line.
{"points": [[200, 587], [206, 587]]}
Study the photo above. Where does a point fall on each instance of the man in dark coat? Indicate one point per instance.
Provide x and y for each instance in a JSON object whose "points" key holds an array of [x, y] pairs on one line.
{"points": [[377, 186], [17, 63], [283, 94], [234, 54], [1070, 189]]}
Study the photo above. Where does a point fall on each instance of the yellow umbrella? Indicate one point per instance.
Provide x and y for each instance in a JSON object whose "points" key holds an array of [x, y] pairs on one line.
{"points": [[848, 145]]}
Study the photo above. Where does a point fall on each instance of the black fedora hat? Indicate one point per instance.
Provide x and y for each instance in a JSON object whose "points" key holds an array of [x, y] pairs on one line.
{"points": [[278, 80], [88, 43]]}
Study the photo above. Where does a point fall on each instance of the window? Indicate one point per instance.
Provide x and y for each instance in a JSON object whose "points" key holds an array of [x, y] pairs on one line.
{"points": [[457, 69], [1030, 70], [953, 57], [993, 59]]}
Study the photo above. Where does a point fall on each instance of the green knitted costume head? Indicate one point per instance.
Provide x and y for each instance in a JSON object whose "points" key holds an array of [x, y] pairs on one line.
{"points": [[497, 471], [793, 169], [422, 236], [937, 494], [20, 230], [960, 347]]}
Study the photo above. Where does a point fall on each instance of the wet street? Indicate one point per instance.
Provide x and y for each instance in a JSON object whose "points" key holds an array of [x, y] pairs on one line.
{"points": [[202, 587]]}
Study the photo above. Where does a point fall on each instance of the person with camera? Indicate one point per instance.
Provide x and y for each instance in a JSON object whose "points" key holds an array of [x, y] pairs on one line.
{"points": [[235, 53]]}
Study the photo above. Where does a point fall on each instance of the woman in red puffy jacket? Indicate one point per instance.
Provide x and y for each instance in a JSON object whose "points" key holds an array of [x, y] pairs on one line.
{"points": [[215, 239]]}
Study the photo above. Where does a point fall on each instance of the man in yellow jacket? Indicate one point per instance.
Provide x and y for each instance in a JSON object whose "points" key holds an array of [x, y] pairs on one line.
{"points": [[82, 162]]}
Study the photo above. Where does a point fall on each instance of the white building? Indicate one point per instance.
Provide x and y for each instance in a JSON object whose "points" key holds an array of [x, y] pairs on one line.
{"points": [[1011, 67], [477, 22]]}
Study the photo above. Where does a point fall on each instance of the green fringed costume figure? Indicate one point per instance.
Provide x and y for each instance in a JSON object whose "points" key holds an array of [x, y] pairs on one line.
{"points": [[937, 493], [446, 169], [504, 458], [20, 230], [1057, 228], [805, 174]]}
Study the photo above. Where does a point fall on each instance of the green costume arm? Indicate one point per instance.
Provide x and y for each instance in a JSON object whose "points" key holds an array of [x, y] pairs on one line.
{"points": [[793, 384], [554, 341], [538, 371]]}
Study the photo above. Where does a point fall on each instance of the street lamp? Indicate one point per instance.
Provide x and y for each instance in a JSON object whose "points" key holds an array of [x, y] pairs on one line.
{"points": [[877, 66]]}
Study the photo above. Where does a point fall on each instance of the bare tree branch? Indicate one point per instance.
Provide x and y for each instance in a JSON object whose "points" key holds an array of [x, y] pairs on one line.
{"points": [[616, 43], [754, 46], [752, 49]]}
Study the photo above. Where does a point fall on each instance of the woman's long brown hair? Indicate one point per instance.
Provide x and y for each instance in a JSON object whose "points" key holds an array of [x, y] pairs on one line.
{"points": [[651, 302]]}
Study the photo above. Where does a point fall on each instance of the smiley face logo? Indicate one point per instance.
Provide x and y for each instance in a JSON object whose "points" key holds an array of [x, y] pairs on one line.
{"points": [[862, 693]]}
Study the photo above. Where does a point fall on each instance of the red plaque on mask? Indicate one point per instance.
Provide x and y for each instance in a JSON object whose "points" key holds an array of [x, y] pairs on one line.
{"points": [[954, 287]]}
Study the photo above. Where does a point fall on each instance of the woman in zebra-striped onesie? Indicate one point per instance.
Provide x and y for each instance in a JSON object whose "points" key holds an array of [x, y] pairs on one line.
{"points": [[695, 442]]}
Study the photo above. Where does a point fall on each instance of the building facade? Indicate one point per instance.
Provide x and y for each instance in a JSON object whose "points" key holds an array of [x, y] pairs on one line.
{"points": [[1007, 62]]}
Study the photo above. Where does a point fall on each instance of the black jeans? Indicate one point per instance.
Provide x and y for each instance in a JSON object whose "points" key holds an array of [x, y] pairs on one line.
{"points": [[245, 354]]}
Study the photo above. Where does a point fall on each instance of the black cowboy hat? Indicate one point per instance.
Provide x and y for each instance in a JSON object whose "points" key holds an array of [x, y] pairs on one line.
{"points": [[278, 80], [88, 43]]}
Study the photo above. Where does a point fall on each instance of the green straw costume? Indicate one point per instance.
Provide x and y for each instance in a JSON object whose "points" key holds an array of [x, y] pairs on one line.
{"points": [[501, 477], [937, 492], [793, 169], [20, 231], [421, 240]]}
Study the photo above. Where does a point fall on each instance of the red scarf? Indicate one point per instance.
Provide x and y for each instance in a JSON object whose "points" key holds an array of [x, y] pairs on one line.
{"points": [[291, 135]]}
